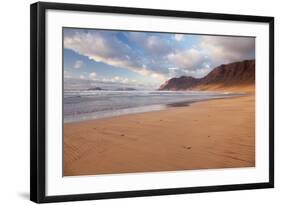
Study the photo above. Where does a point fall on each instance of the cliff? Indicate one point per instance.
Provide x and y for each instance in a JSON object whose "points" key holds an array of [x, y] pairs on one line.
{"points": [[237, 76]]}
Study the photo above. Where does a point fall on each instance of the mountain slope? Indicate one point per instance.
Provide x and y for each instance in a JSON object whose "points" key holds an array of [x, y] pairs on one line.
{"points": [[234, 76]]}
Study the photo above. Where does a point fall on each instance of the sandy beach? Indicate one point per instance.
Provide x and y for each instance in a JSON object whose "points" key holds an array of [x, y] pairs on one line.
{"points": [[204, 135]]}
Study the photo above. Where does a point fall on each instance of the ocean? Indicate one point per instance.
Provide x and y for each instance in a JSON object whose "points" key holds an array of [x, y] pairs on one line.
{"points": [[82, 105]]}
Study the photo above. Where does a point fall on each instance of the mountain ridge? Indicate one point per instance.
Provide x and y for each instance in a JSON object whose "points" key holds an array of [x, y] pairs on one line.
{"points": [[234, 76]]}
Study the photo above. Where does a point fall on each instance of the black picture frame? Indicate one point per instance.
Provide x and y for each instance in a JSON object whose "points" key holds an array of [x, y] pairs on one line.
{"points": [[38, 103]]}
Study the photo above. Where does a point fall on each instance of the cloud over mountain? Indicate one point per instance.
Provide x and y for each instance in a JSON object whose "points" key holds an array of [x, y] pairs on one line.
{"points": [[153, 55]]}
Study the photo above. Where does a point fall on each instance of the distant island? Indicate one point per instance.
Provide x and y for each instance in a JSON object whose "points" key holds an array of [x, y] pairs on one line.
{"points": [[95, 88], [116, 89], [237, 76]]}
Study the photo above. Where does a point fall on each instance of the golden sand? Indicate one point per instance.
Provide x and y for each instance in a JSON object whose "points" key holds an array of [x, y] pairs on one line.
{"points": [[205, 135]]}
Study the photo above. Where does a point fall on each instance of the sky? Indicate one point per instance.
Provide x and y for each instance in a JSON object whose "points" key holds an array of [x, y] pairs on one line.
{"points": [[146, 59]]}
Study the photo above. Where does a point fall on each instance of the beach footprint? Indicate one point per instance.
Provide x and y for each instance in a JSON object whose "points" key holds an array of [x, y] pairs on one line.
{"points": [[187, 147]]}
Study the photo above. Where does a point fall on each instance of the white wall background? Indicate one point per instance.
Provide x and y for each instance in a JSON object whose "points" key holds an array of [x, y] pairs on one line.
{"points": [[14, 102]]}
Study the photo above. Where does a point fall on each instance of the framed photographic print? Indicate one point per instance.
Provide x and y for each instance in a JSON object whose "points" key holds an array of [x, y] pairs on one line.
{"points": [[129, 102]]}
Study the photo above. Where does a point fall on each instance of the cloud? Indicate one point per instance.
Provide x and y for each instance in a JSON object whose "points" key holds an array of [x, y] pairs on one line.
{"points": [[188, 59], [201, 72], [221, 49], [157, 56], [78, 64], [211, 51], [99, 46], [92, 75], [105, 47], [118, 79], [67, 74], [178, 37], [82, 77], [157, 46], [152, 44], [173, 71]]}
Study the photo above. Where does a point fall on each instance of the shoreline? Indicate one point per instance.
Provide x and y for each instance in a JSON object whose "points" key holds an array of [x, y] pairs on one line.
{"points": [[166, 140], [157, 107]]}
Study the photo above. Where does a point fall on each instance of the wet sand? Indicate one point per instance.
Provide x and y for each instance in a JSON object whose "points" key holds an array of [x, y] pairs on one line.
{"points": [[204, 135]]}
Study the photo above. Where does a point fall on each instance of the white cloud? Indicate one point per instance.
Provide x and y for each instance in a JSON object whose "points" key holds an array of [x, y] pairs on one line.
{"points": [[187, 59], [178, 37], [173, 71], [67, 74], [155, 75], [82, 77], [125, 80], [220, 49], [106, 48], [158, 56], [199, 73], [98, 46], [157, 46], [173, 68], [117, 78], [78, 64], [92, 75]]}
